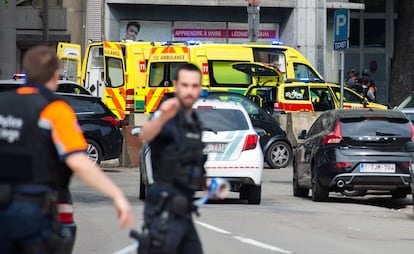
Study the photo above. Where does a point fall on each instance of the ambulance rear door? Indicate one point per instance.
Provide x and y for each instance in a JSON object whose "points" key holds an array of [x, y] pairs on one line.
{"points": [[114, 95], [69, 55]]}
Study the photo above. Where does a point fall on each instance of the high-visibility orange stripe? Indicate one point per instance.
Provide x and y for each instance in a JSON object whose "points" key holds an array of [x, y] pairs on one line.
{"points": [[165, 50], [114, 99], [149, 96], [172, 50], [27, 90], [185, 49], [122, 90], [66, 133], [153, 50], [158, 101]]}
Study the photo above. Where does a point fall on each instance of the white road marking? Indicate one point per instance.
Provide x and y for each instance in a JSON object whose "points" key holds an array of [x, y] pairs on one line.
{"points": [[261, 245], [219, 230], [244, 240]]}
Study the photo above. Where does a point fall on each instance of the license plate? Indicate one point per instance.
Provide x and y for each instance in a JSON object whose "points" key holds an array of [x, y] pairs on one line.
{"points": [[214, 148], [376, 168]]}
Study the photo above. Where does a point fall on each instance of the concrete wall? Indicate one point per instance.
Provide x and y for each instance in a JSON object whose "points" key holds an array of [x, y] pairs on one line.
{"points": [[294, 122], [75, 12]]}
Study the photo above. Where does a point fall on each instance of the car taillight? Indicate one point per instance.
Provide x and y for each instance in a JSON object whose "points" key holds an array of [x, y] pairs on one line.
{"points": [[129, 100], [278, 106], [65, 212], [343, 164], [334, 137], [250, 142], [406, 165], [112, 120], [412, 131]]}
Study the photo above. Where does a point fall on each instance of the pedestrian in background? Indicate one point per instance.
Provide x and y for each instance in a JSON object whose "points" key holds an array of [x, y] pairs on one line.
{"points": [[369, 88], [40, 145], [352, 79], [174, 133]]}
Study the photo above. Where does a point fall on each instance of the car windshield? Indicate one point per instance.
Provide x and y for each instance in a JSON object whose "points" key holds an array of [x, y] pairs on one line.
{"points": [[361, 126], [222, 119], [84, 105]]}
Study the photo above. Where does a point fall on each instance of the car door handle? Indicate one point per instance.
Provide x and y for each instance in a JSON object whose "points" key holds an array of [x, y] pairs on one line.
{"points": [[108, 96]]}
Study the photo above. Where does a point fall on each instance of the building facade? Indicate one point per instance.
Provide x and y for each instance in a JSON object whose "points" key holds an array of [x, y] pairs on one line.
{"points": [[306, 25]]}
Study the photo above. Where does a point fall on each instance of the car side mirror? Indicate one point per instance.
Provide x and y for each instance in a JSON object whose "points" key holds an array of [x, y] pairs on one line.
{"points": [[261, 132], [136, 131], [409, 147], [302, 134]]}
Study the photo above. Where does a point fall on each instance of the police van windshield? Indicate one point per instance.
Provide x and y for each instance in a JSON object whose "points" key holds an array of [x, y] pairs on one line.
{"points": [[162, 74], [222, 119]]}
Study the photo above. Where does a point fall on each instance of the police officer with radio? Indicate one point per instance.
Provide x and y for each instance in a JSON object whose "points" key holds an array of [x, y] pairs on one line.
{"points": [[41, 145], [174, 133]]}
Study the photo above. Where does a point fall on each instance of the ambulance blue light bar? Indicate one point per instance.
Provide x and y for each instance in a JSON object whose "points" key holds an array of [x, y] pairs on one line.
{"points": [[187, 43], [277, 43]]}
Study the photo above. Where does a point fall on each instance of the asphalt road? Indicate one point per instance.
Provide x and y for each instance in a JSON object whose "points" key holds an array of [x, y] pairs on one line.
{"points": [[280, 224]]}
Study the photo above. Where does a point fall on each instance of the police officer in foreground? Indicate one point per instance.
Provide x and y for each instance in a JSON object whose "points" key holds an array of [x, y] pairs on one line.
{"points": [[40, 145], [174, 133]]}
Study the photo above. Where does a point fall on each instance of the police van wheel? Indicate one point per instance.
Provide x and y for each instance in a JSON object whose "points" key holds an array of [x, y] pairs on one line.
{"points": [[94, 151], [254, 195], [278, 155]]}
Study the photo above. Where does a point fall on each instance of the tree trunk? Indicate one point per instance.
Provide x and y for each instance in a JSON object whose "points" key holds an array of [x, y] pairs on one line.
{"points": [[402, 74]]}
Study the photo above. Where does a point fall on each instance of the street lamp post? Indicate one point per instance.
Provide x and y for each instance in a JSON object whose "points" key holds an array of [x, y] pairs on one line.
{"points": [[253, 11]]}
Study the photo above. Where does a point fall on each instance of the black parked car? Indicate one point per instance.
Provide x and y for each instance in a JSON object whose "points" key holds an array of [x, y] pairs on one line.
{"points": [[277, 150], [65, 86], [99, 125], [348, 150]]}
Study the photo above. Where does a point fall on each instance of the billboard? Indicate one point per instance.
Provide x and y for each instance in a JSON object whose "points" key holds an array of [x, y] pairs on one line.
{"points": [[219, 32]]}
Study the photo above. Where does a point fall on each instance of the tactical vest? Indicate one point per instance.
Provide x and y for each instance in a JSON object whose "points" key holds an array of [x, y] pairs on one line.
{"points": [[182, 163], [27, 152]]}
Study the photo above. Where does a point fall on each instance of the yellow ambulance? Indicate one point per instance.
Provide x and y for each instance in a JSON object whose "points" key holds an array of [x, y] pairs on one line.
{"points": [[116, 72], [214, 60]]}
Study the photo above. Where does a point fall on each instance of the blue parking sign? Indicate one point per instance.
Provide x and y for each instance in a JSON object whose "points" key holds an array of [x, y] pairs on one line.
{"points": [[341, 25]]}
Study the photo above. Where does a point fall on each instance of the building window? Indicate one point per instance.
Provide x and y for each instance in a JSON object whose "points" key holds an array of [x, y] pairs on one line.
{"points": [[374, 33]]}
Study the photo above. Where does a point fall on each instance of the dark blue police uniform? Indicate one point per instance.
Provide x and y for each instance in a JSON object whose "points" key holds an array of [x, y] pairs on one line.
{"points": [[177, 161], [37, 132]]}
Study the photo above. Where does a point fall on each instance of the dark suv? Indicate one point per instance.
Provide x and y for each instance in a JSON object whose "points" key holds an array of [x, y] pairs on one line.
{"points": [[99, 125], [348, 150]]}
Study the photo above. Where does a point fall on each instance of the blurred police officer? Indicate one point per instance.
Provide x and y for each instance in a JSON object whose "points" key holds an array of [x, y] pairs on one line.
{"points": [[369, 88], [174, 133], [40, 143]]}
